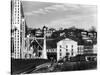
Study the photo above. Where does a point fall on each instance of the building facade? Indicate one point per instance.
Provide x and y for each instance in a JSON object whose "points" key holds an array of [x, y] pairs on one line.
{"points": [[66, 47], [80, 49], [18, 24], [95, 48]]}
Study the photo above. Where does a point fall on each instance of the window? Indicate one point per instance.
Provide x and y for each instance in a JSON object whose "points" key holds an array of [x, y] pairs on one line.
{"points": [[67, 54], [60, 46], [72, 46], [18, 11], [66, 49], [15, 8], [60, 50], [18, 5], [72, 53], [18, 42], [15, 13], [66, 46], [78, 48], [60, 54], [18, 17], [15, 2], [18, 35], [18, 39], [18, 21], [53, 49]]}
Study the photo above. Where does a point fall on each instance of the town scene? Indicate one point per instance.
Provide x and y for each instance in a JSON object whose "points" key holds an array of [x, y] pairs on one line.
{"points": [[52, 37]]}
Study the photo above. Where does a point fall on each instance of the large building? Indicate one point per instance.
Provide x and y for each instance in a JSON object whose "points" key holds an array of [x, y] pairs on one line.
{"points": [[66, 47], [18, 25]]}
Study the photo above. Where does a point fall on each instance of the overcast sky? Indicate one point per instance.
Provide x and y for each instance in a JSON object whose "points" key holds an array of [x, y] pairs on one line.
{"points": [[58, 15]]}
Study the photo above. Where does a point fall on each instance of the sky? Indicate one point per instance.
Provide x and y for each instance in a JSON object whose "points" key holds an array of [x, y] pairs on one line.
{"points": [[57, 15]]}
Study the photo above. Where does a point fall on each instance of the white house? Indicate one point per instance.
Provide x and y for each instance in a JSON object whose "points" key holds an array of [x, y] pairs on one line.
{"points": [[66, 47]]}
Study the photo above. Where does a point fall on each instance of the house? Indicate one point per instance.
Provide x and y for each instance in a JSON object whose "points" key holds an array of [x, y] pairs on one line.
{"points": [[88, 49], [95, 48], [38, 32], [51, 49], [48, 33], [80, 49], [63, 33], [66, 47], [90, 34], [84, 33]]}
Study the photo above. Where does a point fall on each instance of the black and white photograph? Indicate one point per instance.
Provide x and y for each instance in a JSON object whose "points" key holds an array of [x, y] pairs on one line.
{"points": [[49, 37]]}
